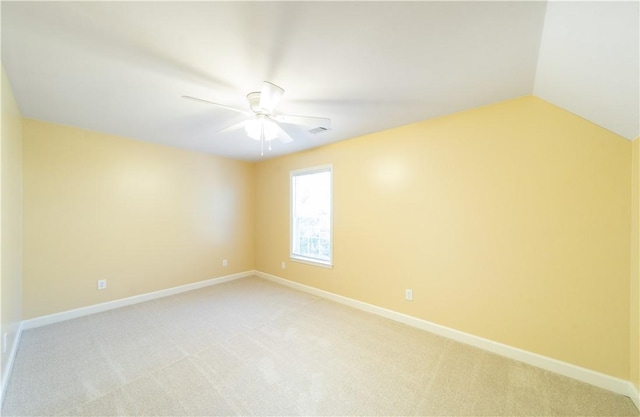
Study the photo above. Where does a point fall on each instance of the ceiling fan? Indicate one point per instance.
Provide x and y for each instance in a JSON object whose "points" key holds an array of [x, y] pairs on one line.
{"points": [[265, 124]]}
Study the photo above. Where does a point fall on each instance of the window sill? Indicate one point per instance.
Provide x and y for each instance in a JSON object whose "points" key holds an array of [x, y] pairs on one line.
{"points": [[312, 262]]}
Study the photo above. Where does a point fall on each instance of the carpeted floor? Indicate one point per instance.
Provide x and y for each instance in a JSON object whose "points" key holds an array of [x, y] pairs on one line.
{"points": [[252, 347]]}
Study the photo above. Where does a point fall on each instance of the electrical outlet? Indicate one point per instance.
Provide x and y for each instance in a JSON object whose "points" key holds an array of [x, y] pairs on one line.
{"points": [[283, 265], [102, 284], [225, 263], [408, 294]]}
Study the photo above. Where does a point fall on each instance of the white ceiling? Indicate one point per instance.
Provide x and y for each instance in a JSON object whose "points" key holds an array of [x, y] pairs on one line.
{"points": [[121, 68], [589, 62]]}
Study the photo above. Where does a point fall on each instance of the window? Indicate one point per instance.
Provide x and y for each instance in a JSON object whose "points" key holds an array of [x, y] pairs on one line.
{"points": [[311, 215]]}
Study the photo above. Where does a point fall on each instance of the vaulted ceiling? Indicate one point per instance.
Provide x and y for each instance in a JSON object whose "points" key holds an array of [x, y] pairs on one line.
{"points": [[122, 67]]}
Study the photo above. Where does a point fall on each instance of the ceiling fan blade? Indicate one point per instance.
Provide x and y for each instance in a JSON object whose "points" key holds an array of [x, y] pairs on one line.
{"points": [[283, 135], [216, 104], [270, 96], [233, 127], [306, 121]]}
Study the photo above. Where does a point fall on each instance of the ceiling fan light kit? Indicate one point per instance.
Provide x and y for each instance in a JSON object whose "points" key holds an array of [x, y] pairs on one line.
{"points": [[261, 127], [265, 124]]}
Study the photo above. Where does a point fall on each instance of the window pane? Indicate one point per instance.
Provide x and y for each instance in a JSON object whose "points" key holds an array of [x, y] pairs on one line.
{"points": [[311, 217]]}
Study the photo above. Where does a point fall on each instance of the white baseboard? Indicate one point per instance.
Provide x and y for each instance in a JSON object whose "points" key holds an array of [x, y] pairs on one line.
{"points": [[10, 360], [110, 305], [634, 395], [598, 379]]}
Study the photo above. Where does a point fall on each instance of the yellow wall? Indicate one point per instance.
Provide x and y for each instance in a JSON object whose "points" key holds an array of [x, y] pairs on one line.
{"points": [[11, 224], [145, 217], [510, 222], [635, 266]]}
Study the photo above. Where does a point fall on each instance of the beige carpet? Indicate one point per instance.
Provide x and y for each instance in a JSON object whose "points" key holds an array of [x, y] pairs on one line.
{"points": [[251, 347]]}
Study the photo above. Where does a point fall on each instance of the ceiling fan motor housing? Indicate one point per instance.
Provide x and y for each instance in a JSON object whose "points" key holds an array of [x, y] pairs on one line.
{"points": [[254, 103]]}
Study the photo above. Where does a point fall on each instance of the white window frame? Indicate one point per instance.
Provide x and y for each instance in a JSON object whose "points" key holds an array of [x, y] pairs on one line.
{"points": [[302, 259]]}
